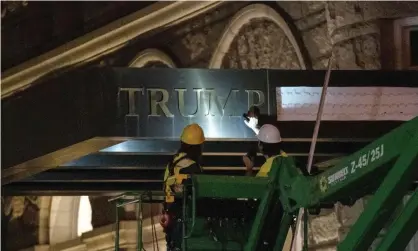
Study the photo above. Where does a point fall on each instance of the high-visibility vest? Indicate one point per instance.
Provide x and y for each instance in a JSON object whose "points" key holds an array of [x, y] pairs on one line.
{"points": [[176, 172], [266, 167]]}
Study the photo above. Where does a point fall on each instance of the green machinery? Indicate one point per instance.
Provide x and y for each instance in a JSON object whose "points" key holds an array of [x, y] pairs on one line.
{"points": [[236, 212]]}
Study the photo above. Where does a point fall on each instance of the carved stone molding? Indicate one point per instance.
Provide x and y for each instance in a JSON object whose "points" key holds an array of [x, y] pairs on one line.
{"points": [[102, 41], [261, 44], [245, 16]]}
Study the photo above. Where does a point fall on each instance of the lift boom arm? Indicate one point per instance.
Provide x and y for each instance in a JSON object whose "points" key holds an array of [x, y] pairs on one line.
{"points": [[386, 167]]}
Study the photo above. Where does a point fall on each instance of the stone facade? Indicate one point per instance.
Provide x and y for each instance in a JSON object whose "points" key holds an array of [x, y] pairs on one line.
{"points": [[348, 30], [196, 40], [261, 45]]}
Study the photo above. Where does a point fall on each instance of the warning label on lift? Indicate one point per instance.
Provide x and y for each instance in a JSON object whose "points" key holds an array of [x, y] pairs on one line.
{"points": [[363, 161]]}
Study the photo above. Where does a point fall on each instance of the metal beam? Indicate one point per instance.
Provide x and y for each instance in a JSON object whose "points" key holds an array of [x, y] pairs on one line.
{"points": [[403, 229], [117, 175], [111, 152], [98, 161], [138, 164], [290, 145], [56, 159], [385, 199], [71, 189], [75, 180]]}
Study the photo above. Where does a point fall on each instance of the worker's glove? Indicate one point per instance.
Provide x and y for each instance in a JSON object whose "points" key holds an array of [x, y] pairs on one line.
{"points": [[252, 123]]}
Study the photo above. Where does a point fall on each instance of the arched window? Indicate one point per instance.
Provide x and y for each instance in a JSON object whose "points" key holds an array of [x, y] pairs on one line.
{"points": [[84, 216], [149, 57]]}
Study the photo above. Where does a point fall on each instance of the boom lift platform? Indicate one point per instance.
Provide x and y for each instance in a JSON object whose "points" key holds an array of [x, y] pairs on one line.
{"points": [[235, 212]]}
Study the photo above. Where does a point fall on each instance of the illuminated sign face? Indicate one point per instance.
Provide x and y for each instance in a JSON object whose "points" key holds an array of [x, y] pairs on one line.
{"points": [[207, 102], [160, 106]]}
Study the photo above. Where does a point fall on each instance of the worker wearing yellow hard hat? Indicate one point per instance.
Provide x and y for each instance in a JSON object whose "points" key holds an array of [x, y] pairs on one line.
{"points": [[269, 144], [184, 163]]}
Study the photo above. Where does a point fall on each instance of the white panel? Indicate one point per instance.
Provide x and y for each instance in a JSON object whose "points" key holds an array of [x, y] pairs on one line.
{"points": [[347, 103]]}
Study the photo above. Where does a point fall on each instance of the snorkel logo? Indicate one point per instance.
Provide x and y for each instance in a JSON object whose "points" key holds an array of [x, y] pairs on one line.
{"points": [[338, 176]]}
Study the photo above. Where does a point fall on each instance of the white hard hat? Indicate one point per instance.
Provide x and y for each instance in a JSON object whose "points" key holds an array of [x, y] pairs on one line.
{"points": [[269, 134]]}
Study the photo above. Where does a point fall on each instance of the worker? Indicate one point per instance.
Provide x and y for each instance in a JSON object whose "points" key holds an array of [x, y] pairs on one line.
{"points": [[269, 144], [255, 120], [185, 163]]}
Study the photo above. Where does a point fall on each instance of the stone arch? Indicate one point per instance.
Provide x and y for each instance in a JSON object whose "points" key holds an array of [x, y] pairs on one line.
{"points": [[151, 55], [243, 17], [63, 218]]}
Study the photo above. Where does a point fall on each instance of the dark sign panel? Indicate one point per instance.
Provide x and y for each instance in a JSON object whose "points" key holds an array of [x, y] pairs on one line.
{"points": [[161, 102], [69, 108]]}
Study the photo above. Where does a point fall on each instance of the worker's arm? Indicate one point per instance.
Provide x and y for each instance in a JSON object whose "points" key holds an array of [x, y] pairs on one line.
{"points": [[249, 160], [249, 165]]}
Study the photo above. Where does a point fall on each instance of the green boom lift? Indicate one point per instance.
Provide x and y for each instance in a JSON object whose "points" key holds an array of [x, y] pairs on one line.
{"points": [[234, 212]]}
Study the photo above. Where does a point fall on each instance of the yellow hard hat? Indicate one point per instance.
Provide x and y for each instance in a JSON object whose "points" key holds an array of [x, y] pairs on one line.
{"points": [[193, 135]]}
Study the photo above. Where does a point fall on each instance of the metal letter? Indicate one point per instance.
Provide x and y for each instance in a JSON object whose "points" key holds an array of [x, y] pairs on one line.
{"points": [[161, 103], [131, 100], [232, 96], [214, 100], [182, 107], [260, 95]]}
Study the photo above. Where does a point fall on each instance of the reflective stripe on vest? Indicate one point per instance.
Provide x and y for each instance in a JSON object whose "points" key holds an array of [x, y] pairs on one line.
{"points": [[175, 179], [266, 167]]}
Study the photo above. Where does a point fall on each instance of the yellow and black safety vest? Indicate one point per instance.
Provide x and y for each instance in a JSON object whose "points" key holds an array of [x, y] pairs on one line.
{"points": [[266, 167], [179, 169]]}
